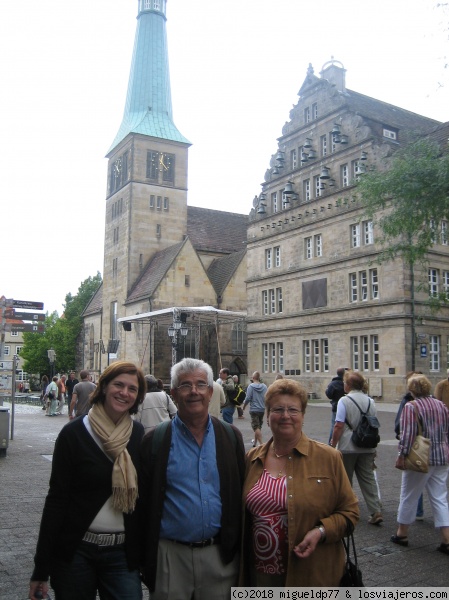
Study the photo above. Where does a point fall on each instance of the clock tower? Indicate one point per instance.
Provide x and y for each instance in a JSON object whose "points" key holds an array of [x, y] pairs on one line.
{"points": [[146, 201]]}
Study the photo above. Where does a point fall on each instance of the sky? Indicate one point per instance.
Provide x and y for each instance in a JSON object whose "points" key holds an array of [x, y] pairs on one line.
{"points": [[236, 67]]}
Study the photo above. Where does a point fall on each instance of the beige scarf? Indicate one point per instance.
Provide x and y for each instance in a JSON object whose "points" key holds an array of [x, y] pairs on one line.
{"points": [[115, 437]]}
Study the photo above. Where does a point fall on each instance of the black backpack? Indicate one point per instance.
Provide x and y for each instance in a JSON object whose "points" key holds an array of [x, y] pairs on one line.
{"points": [[366, 434]]}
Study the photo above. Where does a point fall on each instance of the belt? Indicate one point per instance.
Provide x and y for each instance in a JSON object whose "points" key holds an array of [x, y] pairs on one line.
{"points": [[202, 544], [104, 539]]}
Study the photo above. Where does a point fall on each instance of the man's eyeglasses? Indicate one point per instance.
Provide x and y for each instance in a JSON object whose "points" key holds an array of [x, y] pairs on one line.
{"points": [[188, 387], [291, 410]]}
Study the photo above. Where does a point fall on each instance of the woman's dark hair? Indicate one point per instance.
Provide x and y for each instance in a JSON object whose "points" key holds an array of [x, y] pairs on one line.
{"points": [[119, 368], [44, 379], [151, 382]]}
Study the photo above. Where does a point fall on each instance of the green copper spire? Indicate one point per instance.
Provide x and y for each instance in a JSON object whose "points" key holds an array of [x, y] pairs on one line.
{"points": [[148, 108]]}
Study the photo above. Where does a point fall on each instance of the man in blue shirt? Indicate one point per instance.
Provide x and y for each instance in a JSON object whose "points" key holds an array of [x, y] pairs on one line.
{"points": [[190, 495]]}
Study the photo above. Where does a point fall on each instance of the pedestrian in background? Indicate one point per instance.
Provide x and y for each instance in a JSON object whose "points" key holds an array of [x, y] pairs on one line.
{"points": [[334, 391], [157, 406], [255, 397]]}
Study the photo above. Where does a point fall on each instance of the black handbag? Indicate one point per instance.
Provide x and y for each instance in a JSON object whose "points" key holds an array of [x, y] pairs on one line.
{"points": [[352, 576]]}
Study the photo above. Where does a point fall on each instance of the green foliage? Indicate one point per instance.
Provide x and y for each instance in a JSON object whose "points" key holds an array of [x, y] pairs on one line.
{"points": [[408, 201], [61, 333]]}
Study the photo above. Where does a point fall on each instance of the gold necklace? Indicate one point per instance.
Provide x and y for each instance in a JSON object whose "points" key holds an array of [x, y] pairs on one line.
{"points": [[279, 455]]}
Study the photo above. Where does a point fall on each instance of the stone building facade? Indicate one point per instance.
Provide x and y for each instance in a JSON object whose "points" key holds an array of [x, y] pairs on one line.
{"points": [[317, 297]]}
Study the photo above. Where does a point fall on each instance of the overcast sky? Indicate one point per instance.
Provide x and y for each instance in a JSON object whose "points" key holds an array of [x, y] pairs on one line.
{"points": [[236, 68]]}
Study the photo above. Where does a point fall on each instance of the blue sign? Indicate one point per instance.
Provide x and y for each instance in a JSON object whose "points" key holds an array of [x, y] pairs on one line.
{"points": [[423, 350]]}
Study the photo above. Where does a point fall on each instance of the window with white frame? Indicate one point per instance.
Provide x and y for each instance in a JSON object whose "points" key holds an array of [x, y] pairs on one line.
{"points": [[316, 185], [272, 357], [368, 233], [363, 286], [434, 352], [274, 202], [265, 358], [318, 244], [14, 334], [294, 158], [306, 187], [272, 301], [307, 114], [6, 350], [355, 235], [390, 134], [323, 145], [265, 302], [433, 282], [307, 356], [279, 303], [444, 239], [18, 350], [332, 144], [277, 256], [280, 357], [308, 247], [316, 355], [152, 200], [365, 353], [166, 203], [355, 353], [314, 111], [445, 281], [344, 173], [268, 258]]}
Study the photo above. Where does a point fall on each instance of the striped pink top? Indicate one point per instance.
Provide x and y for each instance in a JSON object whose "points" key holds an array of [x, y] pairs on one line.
{"points": [[267, 503]]}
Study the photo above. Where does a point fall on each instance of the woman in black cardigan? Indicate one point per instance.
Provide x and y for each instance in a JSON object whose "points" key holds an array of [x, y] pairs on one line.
{"points": [[88, 534]]}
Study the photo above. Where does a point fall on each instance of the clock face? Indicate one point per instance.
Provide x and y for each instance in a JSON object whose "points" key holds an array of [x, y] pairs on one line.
{"points": [[118, 167], [164, 161]]}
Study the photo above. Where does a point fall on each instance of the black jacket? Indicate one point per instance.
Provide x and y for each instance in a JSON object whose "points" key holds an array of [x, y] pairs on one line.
{"points": [[335, 390], [231, 468]]}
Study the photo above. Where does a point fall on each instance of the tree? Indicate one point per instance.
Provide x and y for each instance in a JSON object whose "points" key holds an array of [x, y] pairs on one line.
{"points": [[408, 201], [61, 333]]}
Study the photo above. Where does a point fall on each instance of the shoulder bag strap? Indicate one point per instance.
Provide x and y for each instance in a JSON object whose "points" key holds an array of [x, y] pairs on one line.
{"points": [[361, 412], [418, 420]]}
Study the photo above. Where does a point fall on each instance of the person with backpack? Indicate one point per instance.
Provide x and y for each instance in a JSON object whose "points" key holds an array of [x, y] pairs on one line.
{"points": [[255, 397], [228, 409], [358, 459], [156, 407]]}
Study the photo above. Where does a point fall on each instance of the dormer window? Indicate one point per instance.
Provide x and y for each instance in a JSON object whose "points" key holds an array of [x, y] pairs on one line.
{"points": [[158, 5], [390, 134]]}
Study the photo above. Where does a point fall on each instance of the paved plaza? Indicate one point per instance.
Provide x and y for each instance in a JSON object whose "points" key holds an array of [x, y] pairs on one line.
{"points": [[25, 472]]}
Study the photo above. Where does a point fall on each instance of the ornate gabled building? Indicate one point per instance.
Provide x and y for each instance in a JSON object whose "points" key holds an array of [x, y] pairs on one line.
{"points": [[317, 297], [158, 251]]}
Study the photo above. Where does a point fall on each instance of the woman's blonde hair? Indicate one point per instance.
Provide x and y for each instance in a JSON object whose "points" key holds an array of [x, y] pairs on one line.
{"points": [[419, 386], [355, 381], [290, 387]]}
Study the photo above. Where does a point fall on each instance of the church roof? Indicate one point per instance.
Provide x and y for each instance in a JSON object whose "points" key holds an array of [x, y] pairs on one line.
{"points": [[154, 272], [222, 269], [96, 304], [215, 230], [148, 108]]}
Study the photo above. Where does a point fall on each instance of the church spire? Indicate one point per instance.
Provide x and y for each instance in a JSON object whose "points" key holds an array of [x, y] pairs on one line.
{"points": [[148, 108]]}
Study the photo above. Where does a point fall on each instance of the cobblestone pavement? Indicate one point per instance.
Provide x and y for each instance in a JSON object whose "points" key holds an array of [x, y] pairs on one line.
{"points": [[25, 472]]}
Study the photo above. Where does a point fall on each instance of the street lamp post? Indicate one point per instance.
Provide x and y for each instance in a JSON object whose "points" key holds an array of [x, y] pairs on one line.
{"points": [[51, 358], [176, 332]]}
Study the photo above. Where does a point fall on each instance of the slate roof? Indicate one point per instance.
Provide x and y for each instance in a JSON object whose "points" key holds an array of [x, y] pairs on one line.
{"points": [[440, 135], [216, 230], [96, 304], [153, 273], [222, 269], [387, 113]]}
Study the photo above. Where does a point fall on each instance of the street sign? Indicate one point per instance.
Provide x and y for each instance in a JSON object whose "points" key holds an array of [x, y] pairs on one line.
{"points": [[28, 327], [5, 365], [28, 304], [26, 316]]}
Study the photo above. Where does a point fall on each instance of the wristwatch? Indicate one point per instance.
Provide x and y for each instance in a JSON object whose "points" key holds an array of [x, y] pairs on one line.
{"points": [[322, 531]]}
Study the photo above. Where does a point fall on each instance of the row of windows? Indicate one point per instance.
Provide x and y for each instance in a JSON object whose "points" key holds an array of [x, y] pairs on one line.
{"points": [[159, 202], [363, 286], [364, 354], [272, 301], [117, 208], [439, 234], [314, 187], [7, 349], [361, 234]]}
